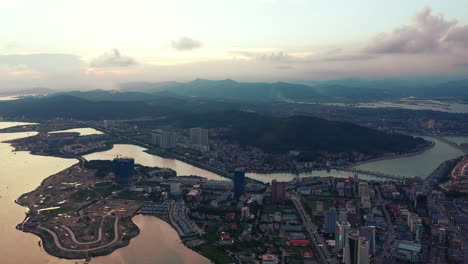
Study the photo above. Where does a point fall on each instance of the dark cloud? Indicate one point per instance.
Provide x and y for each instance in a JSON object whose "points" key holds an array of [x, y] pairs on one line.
{"points": [[112, 59], [426, 33], [184, 43]]}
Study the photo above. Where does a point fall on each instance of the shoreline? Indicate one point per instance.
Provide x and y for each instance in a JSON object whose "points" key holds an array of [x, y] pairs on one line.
{"points": [[151, 150], [221, 173], [394, 157], [50, 239]]}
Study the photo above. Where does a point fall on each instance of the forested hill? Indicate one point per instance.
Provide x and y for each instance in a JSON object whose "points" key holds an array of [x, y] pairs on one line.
{"points": [[305, 133]]}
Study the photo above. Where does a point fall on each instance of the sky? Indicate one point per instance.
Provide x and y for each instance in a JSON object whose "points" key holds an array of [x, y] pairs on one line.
{"points": [[91, 44]]}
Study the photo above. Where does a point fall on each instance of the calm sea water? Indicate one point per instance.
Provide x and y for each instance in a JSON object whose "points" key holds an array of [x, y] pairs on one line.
{"points": [[21, 172]]}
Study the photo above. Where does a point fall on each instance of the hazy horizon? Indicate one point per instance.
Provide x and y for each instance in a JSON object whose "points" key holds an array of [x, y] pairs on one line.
{"points": [[89, 45]]}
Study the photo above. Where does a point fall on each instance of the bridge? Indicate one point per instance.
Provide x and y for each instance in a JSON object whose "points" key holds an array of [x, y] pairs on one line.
{"points": [[371, 173], [451, 143]]}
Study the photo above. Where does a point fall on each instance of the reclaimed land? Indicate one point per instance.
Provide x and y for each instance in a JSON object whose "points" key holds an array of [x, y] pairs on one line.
{"points": [[76, 217]]}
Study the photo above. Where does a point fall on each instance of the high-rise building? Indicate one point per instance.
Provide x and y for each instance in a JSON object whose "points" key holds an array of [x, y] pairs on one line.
{"points": [[123, 170], [341, 232], [162, 139], [278, 191], [239, 183], [199, 139], [330, 221], [351, 250], [369, 233], [363, 251]]}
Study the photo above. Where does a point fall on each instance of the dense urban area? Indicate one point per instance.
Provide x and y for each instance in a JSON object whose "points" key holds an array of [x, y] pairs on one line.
{"points": [[86, 210]]}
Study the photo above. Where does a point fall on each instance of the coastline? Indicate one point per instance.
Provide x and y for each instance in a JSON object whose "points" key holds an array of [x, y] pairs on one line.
{"points": [[123, 231]]}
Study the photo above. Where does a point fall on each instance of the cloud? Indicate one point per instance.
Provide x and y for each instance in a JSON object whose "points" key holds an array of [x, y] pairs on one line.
{"points": [[349, 57], [184, 43], [426, 33], [459, 36], [265, 56], [19, 71], [42, 62], [285, 67], [113, 59]]}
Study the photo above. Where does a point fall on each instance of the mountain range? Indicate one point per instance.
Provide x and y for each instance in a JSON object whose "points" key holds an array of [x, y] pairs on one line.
{"points": [[336, 90]]}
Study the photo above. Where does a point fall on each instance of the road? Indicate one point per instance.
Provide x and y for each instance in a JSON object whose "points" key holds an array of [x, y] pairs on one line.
{"points": [[391, 229], [59, 245], [316, 239]]}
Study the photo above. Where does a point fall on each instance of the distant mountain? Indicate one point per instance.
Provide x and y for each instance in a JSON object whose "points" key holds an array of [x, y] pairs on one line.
{"points": [[232, 90], [353, 88], [146, 86], [341, 90], [32, 91], [449, 89], [105, 95], [304, 133]]}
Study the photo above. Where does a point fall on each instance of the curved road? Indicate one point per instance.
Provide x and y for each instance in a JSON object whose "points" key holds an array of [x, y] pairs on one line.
{"points": [[73, 237], [57, 242]]}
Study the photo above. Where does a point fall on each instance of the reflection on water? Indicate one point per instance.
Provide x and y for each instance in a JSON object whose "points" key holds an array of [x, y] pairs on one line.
{"points": [[421, 105], [85, 131], [418, 165], [458, 140], [21, 172], [411, 104], [8, 98], [158, 243], [143, 158]]}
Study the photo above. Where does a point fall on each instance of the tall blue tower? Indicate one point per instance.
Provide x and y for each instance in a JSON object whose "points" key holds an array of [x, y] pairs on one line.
{"points": [[123, 170], [239, 183]]}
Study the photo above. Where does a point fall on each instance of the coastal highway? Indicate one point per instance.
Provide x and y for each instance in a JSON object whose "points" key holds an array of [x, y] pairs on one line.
{"points": [[316, 239]]}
